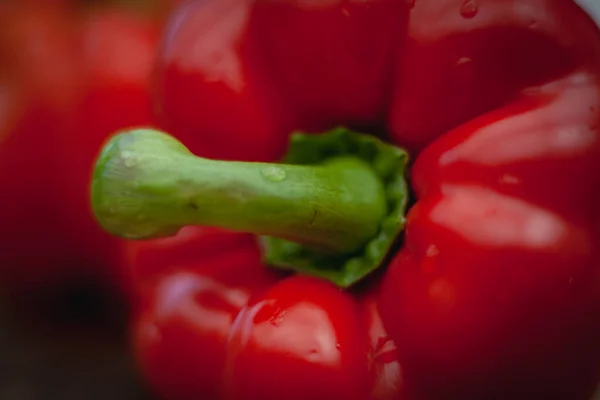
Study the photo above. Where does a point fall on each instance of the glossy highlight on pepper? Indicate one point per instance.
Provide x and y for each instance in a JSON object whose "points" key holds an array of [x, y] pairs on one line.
{"points": [[492, 292]]}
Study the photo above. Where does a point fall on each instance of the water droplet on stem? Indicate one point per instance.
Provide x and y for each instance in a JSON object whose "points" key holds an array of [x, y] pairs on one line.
{"points": [[274, 174]]}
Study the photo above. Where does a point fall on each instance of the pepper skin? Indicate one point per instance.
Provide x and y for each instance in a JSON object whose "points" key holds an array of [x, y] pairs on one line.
{"points": [[246, 85], [498, 282], [192, 339], [495, 292]]}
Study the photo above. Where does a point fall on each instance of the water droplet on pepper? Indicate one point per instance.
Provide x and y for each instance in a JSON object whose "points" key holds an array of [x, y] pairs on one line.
{"points": [[468, 9]]}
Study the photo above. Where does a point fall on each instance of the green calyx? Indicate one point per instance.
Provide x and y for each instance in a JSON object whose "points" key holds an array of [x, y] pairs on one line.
{"points": [[388, 163], [332, 209]]}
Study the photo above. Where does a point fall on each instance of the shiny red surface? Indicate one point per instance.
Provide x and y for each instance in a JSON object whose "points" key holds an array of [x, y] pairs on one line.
{"points": [[495, 293], [497, 285], [212, 320], [304, 338], [186, 311], [236, 77]]}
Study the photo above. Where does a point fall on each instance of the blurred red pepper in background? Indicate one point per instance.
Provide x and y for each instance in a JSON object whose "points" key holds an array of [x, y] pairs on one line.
{"points": [[118, 51], [70, 74], [42, 80]]}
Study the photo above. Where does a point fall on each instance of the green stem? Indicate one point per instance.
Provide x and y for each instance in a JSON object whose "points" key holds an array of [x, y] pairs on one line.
{"points": [[147, 185]]}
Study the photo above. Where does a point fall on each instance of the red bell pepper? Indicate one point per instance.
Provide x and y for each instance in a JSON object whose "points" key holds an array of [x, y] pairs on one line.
{"points": [[68, 76], [192, 288], [494, 292]]}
